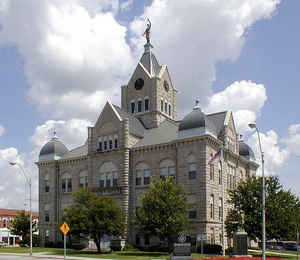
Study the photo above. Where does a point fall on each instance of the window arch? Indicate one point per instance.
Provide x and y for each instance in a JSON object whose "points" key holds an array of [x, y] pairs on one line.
{"points": [[66, 183], [142, 174], [83, 179], [167, 169], [108, 175]]}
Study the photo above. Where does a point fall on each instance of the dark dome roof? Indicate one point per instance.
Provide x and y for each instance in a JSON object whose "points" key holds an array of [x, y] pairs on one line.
{"points": [[54, 147], [246, 151], [196, 119]]}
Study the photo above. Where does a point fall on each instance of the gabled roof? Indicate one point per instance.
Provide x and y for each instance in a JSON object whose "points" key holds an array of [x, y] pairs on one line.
{"points": [[135, 126], [76, 152], [218, 120], [166, 132], [149, 61]]}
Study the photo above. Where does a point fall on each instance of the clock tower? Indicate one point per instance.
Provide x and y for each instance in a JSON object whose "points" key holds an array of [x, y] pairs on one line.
{"points": [[150, 95]]}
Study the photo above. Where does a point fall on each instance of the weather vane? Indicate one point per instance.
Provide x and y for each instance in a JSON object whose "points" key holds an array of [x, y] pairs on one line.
{"points": [[147, 31]]}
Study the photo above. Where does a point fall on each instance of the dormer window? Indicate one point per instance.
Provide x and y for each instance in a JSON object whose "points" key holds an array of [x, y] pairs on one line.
{"points": [[146, 104], [132, 107]]}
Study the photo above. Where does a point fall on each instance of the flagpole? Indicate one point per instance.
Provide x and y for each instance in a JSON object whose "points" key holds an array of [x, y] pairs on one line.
{"points": [[223, 209]]}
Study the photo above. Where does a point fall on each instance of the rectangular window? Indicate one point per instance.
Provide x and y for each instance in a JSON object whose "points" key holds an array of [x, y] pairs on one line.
{"points": [[212, 172], [102, 181], [163, 173], [172, 172], [105, 145], [116, 143], [139, 106], [169, 110], [138, 178], [220, 213], [132, 107], [47, 187], [115, 179], [109, 180], [83, 181], [192, 171], [100, 147], [137, 240], [47, 218], [162, 106], [63, 185], [192, 214], [69, 184], [146, 177], [211, 210], [220, 177], [110, 144], [166, 107], [146, 104], [147, 240]]}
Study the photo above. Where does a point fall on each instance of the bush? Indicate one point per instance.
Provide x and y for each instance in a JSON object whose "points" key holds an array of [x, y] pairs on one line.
{"points": [[211, 249], [129, 247]]}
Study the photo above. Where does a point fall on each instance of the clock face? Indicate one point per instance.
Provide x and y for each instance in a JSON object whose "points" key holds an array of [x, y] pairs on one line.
{"points": [[166, 85], [139, 83]]}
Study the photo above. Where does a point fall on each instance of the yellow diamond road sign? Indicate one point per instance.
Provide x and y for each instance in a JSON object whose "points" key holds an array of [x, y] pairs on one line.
{"points": [[64, 228]]}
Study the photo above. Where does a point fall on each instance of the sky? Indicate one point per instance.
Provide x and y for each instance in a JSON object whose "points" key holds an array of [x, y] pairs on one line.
{"points": [[60, 61]]}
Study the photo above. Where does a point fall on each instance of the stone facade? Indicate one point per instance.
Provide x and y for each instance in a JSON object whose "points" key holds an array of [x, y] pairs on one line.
{"points": [[143, 140]]}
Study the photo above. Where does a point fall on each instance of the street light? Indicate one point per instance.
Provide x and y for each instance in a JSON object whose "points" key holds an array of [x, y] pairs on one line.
{"points": [[28, 180], [253, 126]]}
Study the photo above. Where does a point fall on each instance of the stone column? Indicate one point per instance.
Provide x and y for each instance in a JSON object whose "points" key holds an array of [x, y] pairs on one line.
{"points": [[125, 175]]}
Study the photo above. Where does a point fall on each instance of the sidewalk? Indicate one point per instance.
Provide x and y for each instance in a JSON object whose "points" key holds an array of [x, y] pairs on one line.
{"points": [[45, 255]]}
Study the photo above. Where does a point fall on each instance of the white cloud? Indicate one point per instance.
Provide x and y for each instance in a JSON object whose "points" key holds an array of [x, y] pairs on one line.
{"points": [[192, 36], [244, 98], [2, 130], [126, 5], [293, 139], [71, 53], [275, 156], [72, 132]]}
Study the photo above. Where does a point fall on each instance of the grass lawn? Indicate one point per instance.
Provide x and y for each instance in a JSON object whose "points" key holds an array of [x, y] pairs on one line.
{"points": [[134, 254]]}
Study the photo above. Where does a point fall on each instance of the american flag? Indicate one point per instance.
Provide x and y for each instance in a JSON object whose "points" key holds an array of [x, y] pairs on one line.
{"points": [[215, 157]]}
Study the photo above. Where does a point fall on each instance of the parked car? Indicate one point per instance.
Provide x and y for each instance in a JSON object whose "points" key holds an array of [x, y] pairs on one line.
{"points": [[278, 248]]}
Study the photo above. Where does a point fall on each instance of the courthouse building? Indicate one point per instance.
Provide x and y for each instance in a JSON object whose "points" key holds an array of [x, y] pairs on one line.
{"points": [[143, 139]]}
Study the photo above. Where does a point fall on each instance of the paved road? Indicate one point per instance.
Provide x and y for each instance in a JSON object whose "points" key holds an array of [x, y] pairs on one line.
{"points": [[42, 257]]}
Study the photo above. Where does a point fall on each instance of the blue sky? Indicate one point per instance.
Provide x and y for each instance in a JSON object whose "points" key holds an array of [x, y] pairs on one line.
{"points": [[60, 62]]}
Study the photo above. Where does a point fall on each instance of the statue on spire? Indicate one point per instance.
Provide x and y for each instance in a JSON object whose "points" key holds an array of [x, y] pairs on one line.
{"points": [[147, 31]]}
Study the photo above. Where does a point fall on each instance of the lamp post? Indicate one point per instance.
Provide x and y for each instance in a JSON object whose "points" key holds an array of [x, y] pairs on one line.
{"points": [[28, 180], [253, 126]]}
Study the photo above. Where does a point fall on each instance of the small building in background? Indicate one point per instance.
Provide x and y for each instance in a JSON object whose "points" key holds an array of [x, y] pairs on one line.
{"points": [[7, 217]]}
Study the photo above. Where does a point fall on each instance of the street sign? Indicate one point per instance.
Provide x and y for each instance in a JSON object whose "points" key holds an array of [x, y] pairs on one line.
{"points": [[64, 228]]}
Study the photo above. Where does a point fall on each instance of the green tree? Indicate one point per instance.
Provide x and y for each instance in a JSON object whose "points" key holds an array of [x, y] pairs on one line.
{"points": [[164, 210], [21, 224], [282, 209], [94, 216]]}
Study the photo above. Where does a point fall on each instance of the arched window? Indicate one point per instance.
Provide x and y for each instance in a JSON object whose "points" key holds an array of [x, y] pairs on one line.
{"points": [[146, 108], [142, 174], [83, 179], [47, 183], [108, 175], [66, 183], [167, 169]]}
